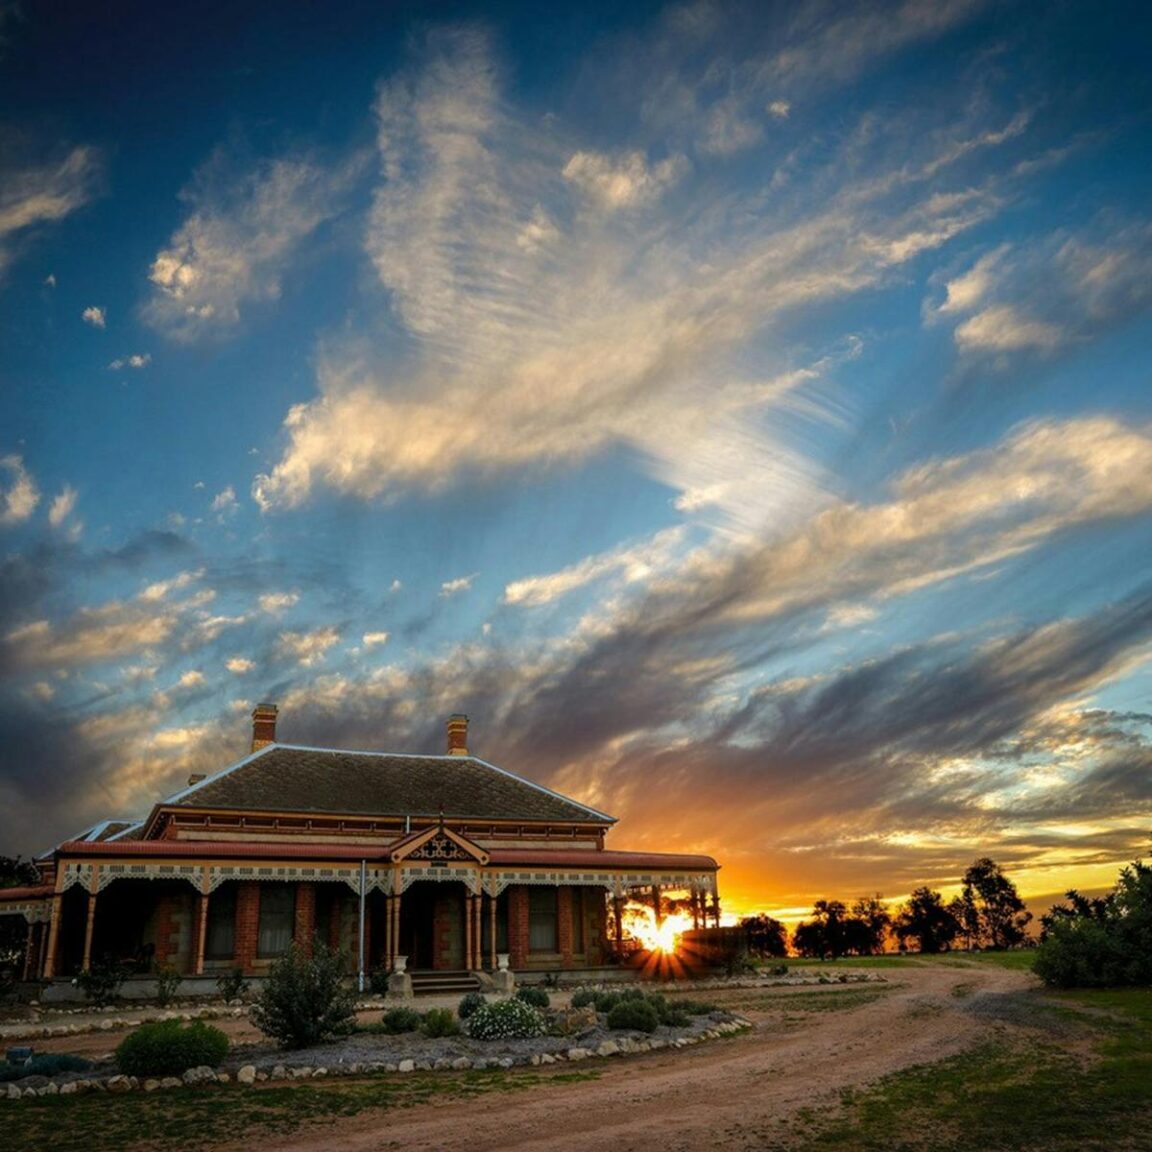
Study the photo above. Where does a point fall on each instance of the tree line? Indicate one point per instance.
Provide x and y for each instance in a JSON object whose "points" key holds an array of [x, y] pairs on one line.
{"points": [[988, 913]]}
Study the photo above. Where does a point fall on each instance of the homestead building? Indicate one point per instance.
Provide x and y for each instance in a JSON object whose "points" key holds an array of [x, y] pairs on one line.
{"points": [[439, 862]]}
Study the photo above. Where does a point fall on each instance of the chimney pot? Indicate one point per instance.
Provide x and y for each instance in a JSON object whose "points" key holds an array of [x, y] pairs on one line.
{"points": [[458, 735], [263, 726]]}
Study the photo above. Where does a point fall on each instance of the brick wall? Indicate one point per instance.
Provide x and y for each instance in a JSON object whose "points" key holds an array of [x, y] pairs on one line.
{"points": [[304, 924], [518, 926], [564, 925], [247, 923]]}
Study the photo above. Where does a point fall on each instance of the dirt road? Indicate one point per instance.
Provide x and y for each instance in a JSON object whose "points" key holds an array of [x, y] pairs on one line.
{"points": [[730, 1095]]}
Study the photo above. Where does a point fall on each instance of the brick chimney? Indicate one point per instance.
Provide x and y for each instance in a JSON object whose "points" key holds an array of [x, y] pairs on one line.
{"points": [[263, 726], [458, 735]]}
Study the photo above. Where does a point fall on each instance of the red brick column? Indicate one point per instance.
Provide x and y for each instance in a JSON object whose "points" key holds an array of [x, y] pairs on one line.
{"points": [[564, 925], [518, 926], [304, 925], [247, 923], [165, 928]]}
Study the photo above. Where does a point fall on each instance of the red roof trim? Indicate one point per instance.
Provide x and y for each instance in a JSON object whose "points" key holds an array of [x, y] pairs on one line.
{"points": [[36, 893], [590, 859]]}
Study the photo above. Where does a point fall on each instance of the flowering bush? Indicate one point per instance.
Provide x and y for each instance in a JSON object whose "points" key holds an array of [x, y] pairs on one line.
{"points": [[506, 1020]]}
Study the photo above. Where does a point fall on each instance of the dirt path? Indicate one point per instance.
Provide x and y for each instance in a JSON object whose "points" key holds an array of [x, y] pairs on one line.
{"points": [[729, 1095]]}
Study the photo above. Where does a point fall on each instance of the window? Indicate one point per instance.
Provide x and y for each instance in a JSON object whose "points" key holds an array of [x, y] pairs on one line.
{"points": [[277, 912], [542, 920], [220, 939]]}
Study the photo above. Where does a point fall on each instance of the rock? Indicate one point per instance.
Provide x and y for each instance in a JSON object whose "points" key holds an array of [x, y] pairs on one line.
{"points": [[608, 1048], [570, 1021], [406, 1066], [223, 1078], [201, 1074], [171, 1082], [70, 1089], [118, 1084], [151, 1085], [300, 1073], [578, 1053], [105, 1025], [14, 1093], [319, 1072], [246, 1075], [547, 1058], [461, 1063], [262, 1076], [278, 1073]]}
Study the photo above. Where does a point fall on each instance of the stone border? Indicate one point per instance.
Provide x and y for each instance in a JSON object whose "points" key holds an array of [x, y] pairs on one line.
{"points": [[627, 1045]]}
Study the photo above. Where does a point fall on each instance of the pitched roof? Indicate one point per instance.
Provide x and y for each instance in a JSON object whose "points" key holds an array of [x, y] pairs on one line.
{"points": [[286, 778]]}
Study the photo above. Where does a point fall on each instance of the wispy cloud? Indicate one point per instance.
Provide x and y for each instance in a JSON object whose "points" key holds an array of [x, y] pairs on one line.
{"points": [[40, 194], [19, 497], [600, 332], [95, 317], [455, 587], [234, 248], [307, 648]]}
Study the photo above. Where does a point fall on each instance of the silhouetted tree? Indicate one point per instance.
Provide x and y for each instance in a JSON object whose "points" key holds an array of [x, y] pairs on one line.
{"points": [[1104, 941], [993, 913], [766, 936], [868, 925], [925, 919], [15, 873], [824, 934]]}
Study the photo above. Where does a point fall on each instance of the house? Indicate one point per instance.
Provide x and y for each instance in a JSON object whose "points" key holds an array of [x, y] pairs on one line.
{"points": [[440, 862]]}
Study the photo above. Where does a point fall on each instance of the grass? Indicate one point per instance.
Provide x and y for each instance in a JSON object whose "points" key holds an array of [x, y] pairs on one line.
{"points": [[1091, 1089], [836, 998], [192, 1118]]}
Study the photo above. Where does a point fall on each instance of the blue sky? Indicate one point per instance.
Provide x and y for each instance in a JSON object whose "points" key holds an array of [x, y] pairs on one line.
{"points": [[742, 412]]}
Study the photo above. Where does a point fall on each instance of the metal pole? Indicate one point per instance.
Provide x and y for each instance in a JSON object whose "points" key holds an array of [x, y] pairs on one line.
{"points": [[363, 893]]}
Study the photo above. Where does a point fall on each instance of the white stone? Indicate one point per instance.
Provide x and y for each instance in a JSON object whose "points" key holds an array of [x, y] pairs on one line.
{"points": [[406, 1066], [119, 1084], [171, 1082], [608, 1048], [578, 1053], [70, 1089], [151, 1085], [247, 1074]]}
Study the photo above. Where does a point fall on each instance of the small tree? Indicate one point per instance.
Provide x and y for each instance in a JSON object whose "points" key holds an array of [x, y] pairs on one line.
{"points": [[304, 1000], [766, 936], [993, 908], [926, 920], [868, 925]]}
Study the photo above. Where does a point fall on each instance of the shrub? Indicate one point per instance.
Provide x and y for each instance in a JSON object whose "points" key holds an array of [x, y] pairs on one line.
{"points": [[506, 1020], [232, 985], [167, 981], [537, 997], [634, 1015], [469, 1003], [46, 1064], [440, 1022], [101, 983], [304, 999], [606, 1001], [582, 997], [378, 981], [397, 1020], [167, 1048]]}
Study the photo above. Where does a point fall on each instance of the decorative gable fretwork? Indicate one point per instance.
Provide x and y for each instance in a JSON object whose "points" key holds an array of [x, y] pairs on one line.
{"points": [[616, 882], [34, 911], [469, 877], [439, 848]]}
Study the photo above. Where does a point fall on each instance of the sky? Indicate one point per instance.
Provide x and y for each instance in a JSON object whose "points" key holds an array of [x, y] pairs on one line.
{"points": [[740, 411]]}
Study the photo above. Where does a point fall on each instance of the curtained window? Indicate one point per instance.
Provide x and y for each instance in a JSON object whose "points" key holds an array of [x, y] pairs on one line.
{"points": [[277, 913], [542, 920]]}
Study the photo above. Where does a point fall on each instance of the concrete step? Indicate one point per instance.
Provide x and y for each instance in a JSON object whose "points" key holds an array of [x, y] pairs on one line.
{"points": [[443, 983]]}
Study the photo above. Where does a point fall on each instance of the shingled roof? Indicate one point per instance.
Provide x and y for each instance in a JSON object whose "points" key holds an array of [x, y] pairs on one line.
{"points": [[286, 778]]}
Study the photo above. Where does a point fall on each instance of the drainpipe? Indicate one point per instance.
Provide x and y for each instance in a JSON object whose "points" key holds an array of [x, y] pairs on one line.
{"points": [[363, 894]]}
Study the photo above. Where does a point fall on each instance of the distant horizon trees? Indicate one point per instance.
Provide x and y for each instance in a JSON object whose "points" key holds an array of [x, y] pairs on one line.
{"points": [[988, 913]]}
